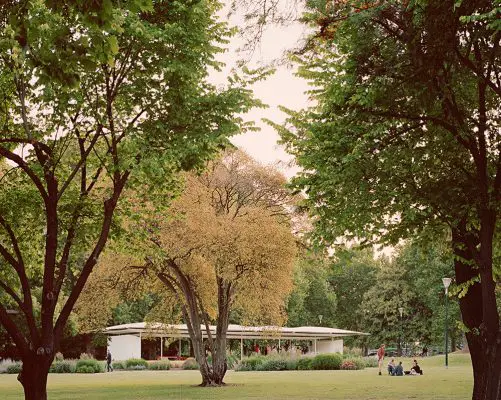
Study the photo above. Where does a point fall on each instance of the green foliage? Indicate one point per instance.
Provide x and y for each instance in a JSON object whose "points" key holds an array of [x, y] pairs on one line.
{"points": [[312, 295], [86, 356], [99, 98], [326, 361], [411, 280], [64, 367], [304, 363], [118, 365], [191, 364], [135, 310], [251, 363], [89, 365], [232, 360], [136, 363], [86, 369], [159, 365], [351, 275], [370, 362], [272, 365], [14, 368]]}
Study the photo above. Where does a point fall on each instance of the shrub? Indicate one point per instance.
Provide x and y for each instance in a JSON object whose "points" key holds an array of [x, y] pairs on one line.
{"points": [[59, 356], [62, 367], [4, 364], [357, 361], [190, 363], [118, 365], [232, 361], [370, 362], [86, 356], [85, 369], [348, 365], [14, 368], [159, 365], [137, 368], [176, 363], [89, 363], [133, 363], [327, 361], [250, 363], [304, 363], [272, 365], [291, 364]]}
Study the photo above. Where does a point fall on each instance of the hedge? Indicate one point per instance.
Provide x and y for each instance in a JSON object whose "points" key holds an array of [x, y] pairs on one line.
{"points": [[136, 364], [118, 365], [272, 365], [14, 368], [326, 361], [304, 363], [159, 365], [88, 366], [63, 367], [251, 363], [190, 363]]}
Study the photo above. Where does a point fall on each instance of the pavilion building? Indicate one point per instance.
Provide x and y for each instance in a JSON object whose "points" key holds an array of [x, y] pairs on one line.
{"points": [[154, 340]]}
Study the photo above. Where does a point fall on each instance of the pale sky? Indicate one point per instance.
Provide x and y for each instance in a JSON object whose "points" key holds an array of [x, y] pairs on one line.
{"points": [[282, 88]]}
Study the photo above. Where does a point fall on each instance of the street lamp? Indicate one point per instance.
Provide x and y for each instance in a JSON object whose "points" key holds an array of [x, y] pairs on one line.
{"points": [[401, 311], [447, 282], [320, 316]]}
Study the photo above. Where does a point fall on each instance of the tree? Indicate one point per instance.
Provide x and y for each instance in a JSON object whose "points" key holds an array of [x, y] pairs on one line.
{"points": [[95, 97], [227, 245], [312, 295], [425, 265], [351, 275], [405, 135]]}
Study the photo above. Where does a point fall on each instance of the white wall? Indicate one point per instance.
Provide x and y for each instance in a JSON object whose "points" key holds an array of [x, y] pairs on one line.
{"points": [[124, 347], [329, 346]]}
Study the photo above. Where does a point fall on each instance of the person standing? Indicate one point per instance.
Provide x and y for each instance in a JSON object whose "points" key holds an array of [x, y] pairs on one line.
{"points": [[108, 362], [380, 357]]}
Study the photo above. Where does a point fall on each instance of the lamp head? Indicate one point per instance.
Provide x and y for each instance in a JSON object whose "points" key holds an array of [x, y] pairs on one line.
{"points": [[447, 282]]}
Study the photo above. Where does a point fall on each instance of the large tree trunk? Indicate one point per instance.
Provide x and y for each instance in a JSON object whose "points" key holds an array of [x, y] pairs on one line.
{"points": [[484, 346], [33, 377]]}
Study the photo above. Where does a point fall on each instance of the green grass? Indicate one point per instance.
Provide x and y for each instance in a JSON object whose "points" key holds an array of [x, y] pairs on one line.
{"points": [[436, 383]]}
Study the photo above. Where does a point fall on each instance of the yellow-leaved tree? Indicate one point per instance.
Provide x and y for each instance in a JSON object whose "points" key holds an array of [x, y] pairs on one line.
{"points": [[225, 245]]}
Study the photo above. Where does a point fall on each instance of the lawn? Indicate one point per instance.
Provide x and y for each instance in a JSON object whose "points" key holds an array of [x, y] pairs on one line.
{"points": [[436, 383]]}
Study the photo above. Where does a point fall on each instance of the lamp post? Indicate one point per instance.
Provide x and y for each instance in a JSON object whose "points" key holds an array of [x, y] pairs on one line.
{"points": [[401, 311], [320, 316], [447, 282]]}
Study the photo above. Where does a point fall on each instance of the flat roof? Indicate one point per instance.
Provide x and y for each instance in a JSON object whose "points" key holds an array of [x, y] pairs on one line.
{"points": [[234, 331]]}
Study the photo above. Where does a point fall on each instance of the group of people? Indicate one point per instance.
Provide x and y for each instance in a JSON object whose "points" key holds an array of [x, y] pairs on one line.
{"points": [[397, 370]]}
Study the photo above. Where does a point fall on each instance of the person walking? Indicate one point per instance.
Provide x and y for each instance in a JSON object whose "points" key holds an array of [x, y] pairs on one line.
{"points": [[380, 357], [108, 362]]}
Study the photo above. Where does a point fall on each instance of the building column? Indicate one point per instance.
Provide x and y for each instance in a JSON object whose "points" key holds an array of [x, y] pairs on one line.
{"points": [[161, 347], [241, 348]]}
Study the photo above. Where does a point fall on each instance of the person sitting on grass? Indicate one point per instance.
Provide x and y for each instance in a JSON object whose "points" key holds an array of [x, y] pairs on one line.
{"points": [[391, 366], [416, 369], [399, 370]]}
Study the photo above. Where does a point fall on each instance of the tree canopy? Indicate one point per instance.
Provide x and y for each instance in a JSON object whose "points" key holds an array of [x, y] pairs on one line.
{"points": [[96, 98], [405, 136]]}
